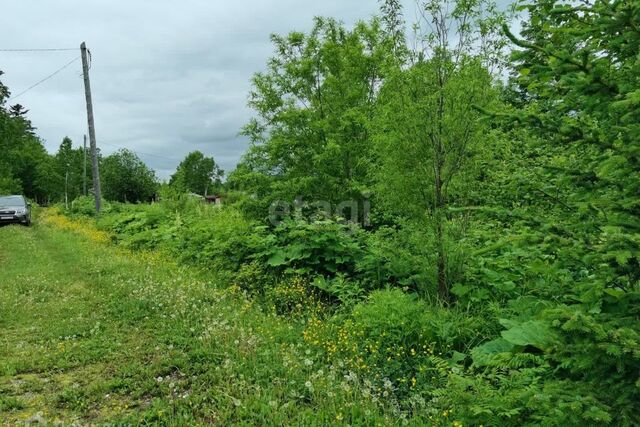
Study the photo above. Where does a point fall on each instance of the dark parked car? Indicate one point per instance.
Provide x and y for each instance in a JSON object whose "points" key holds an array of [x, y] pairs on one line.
{"points": [[15, 209]]}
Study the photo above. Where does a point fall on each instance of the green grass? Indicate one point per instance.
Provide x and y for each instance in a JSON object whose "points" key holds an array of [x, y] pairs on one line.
{"points": [[93, 334]]}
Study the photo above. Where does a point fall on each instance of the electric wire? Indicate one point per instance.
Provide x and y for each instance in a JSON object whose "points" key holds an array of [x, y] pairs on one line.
{"points": [[138, 152], [39, 50], [59, 70], [45, 79]]}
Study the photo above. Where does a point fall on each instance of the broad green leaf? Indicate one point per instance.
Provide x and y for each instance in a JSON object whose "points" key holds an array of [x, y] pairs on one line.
{"points": [[533, 332]]}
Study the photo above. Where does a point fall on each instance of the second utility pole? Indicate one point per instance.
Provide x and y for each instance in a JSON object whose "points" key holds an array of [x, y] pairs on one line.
{"points": [[92, 130]]}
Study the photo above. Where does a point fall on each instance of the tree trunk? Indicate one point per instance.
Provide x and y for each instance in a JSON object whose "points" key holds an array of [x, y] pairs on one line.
{"points": [[439, 202], [443, 289]]}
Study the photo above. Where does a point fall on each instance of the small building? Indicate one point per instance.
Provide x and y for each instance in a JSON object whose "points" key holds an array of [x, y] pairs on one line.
{"points": [[213, 199]]}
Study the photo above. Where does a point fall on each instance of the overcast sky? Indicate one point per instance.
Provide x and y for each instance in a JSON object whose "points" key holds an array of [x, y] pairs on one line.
{"points": [[168, 77]]}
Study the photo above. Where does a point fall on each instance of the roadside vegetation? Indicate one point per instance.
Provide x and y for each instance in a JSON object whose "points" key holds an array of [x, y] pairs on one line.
{"points": [[412, 237], [97, 334]]}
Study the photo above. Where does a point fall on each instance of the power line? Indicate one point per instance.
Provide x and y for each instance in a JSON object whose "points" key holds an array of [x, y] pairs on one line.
{"points": [[39, 50], [45, 79], [140, 152]]}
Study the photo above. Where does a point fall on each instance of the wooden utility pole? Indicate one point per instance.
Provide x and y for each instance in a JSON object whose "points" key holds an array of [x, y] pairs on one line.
{"points": [[84, 168], [92, 130], [66, 188]]}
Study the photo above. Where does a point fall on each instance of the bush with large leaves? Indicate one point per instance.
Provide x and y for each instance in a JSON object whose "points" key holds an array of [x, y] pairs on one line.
{"points": [[312, 246]]}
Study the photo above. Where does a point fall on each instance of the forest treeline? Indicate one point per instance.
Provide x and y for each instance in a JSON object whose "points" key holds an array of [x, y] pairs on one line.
{"points": [[27, 168], [490, 274]]}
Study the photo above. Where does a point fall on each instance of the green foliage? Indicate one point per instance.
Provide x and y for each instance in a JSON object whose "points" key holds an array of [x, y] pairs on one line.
{"points": [[26, 167], [294, 296], [309, 138], [219, 238], [8, 404], [427, 126], [126, 178], [340, 288], [398, 341], [397, 255], [530, 333], [569, 257], [67, 174], [8, 183], [223, 239], [517, 397], [23, 159], [253, 278], [321, 246], [86, 206], [197, 174], [515, 203], [408, 116]]}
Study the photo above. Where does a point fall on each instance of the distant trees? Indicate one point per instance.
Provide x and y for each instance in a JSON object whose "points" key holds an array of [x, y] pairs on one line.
{"points": [[9, 184], [197, 174], [23, 158], [126, 178], [69, 170], [26, 167]]}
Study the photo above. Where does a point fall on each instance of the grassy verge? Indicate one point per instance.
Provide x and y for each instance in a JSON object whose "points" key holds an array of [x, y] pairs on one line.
{"points": [[92, 333]]}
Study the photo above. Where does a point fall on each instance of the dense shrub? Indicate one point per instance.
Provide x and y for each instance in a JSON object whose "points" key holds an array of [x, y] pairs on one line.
{"points": [[396, 256], [145, 227], [324, 246], [340, 289], [404, 255], [515, 397], [222, 239], [252, 278], [86, 205], [294, 296], [397, 338], [217, 237]]}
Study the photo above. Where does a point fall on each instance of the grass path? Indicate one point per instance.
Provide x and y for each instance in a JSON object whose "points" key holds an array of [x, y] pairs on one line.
{"points": [[90, 333]]}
